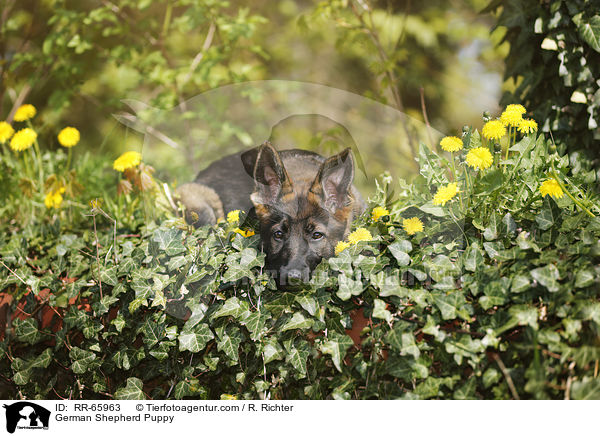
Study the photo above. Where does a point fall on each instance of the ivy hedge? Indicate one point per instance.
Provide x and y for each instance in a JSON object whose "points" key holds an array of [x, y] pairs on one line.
{"points": [[498, 297]]}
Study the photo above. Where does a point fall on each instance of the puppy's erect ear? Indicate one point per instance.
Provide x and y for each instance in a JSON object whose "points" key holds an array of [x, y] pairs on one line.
{"points": [[249, 160], [271, 179], [334, 179]]}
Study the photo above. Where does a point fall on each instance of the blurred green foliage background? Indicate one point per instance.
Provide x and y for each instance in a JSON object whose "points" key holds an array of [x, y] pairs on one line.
{"points": [[77, 60]]}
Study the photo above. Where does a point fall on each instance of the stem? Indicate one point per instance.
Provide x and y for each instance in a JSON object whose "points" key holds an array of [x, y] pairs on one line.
{"points": [[454, 180], [26, 164], [39, 159], [566, 191], [508, 146], [69, 153], [167, 21]]}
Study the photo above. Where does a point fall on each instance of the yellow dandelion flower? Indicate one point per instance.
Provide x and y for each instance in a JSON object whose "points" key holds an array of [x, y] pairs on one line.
{"points": [[552, 188], [412, 225], [519, 108], [479, 157], [25, 112], [54, 198], [451, 144], [378, 212], [23, 139], [233, 216], [360, 234], [493, 130], [69, 137], [127, 160], [244, 233], [528, 126], [96, 203], [445, 194], [511, 118], [6, 131], [341, 246]]}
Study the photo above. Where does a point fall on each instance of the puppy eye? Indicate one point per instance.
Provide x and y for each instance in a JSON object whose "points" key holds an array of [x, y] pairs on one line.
{"points": [[317, 235], [278, 235]]}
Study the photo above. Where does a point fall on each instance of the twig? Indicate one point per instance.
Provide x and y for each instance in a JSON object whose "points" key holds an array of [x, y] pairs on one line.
{"points": [[385, 60], [507, 376], [14, 273], [569, 381], [19, 101], [198, 58]]}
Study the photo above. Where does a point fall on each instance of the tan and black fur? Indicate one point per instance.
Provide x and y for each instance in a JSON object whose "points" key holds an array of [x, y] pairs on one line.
{"points": [[304, 203]]}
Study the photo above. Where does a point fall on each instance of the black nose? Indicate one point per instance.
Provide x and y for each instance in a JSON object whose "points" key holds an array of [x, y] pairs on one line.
{"points": [[294, 277]]}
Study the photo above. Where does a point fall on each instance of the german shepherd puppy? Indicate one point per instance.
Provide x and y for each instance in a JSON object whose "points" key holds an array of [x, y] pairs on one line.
{"points": [[304, 203]]}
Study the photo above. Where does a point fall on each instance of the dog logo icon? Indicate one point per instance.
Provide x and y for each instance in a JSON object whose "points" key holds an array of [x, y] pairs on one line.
{"points": [[26, 415]]}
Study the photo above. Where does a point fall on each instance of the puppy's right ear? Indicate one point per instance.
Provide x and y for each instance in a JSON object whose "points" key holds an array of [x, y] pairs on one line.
{"points": [[271, 179], [249, 160]]}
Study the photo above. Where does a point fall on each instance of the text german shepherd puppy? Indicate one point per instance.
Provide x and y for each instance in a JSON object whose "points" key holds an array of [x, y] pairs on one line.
{"points": [[304, 203]]}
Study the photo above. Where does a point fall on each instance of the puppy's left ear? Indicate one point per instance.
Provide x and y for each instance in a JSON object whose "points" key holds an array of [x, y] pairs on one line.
{"points": [[334, 179]]}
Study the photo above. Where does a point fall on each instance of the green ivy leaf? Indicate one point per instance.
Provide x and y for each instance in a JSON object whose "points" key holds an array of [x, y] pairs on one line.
{"points": [[26, 330], [590, 31], [81, 359], [196, 339], [587, 388], [169, 241], [297, 322], [348, 287], [336, 346], [131, 391]]}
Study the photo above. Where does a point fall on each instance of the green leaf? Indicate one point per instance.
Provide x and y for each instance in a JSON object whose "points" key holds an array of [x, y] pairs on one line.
{"points": [[380, 311], [587, 388], [272, 350], [547, 276], [546, 218], [490, 182], [298, 356], [196, 339], [43, 360], [131, 391], [169, 241], [336, 346], [190, 388], [26, 330], [81, 359], [230, 343], [397, 250], [473, 258], [590, 31], [584, 278], [255, 323], [307, 302], [298, 321], [232, 307], [348, 287]]}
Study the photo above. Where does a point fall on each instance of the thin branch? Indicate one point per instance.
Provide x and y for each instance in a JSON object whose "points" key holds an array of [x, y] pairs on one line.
{"points": [[389, 72], [569, 381], [509, 381], [19, 101], [198, 58], [14, 273]]}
